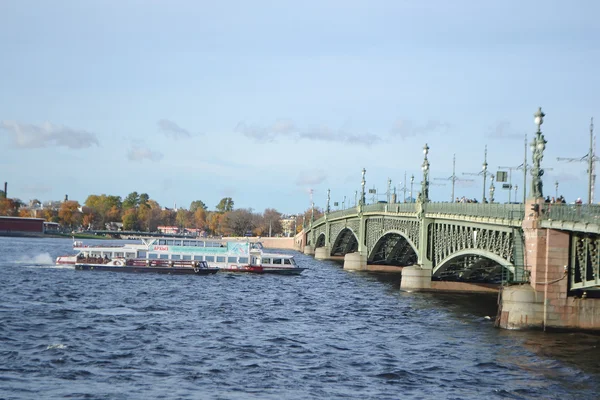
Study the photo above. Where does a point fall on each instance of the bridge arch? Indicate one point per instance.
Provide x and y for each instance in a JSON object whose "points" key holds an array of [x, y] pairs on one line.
{"points": [[345, 242], [468, 264], [393, 248], [320, 242]]}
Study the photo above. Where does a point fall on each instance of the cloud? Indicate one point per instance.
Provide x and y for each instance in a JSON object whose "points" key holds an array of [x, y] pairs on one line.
{"points": [[502, 130], [407, 128], [29, 136], [138, 153], [287, 128], [311, 178], [171, 129]]}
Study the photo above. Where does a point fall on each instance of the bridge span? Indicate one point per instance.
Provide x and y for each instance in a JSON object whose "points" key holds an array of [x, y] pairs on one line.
{"points": [[543, 258]]}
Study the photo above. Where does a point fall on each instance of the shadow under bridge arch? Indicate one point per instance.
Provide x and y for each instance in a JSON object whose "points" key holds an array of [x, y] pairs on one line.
{"points": [[346, 242], [475, 265], [393, 249], [320, 241]]}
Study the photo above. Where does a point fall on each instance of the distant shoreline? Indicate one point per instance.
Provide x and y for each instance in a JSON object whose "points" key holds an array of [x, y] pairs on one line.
{"points": [[52, 235]]}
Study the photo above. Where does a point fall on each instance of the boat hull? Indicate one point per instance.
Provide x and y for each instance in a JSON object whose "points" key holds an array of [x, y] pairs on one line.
{"points": [[256, 269], [144, 269]]}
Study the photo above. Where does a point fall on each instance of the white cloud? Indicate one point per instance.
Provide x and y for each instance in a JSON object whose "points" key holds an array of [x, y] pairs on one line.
{"points": [[288, 128], [407, 128], [30, 136], [138, 153], [171, 129]]}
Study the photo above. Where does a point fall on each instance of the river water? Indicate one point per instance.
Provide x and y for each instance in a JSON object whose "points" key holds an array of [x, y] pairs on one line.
{"points": [[326, 334]]}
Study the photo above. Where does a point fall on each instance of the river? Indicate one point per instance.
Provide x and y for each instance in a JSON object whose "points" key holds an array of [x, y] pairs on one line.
{"points": [[326, 334]]}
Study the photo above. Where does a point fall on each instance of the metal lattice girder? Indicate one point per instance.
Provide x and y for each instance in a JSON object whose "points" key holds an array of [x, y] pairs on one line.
{"points": [[449, 238], [585, 261], [336, 227], [377, 227], [393, 249], [345, 243]]}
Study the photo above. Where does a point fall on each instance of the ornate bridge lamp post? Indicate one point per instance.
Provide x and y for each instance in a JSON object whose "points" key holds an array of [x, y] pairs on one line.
{"points": [[412, 180], [537, 147], [328, 199], [484, 173], [492, 188], [362, 183], [555, 190], [425, 182]]}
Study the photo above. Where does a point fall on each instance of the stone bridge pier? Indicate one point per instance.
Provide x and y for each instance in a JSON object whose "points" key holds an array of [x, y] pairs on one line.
{"points": [[548, 302]]}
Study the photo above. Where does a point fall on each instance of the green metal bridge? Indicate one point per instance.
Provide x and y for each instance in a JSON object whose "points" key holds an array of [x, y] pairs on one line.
{"points": [[459, 241]]}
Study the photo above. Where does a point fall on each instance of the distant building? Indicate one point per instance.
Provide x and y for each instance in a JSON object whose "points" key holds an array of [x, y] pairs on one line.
{"points": [[288, 224], [18, 225], [169, 230], [51, 227]]}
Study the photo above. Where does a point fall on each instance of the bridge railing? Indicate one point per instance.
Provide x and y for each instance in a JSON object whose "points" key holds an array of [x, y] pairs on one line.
{"points": [[587, 213], [507, 211]]}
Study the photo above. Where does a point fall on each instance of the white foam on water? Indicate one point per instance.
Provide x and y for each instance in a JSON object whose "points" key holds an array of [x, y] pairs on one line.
{"points": [[59, 346], [39, 259]]}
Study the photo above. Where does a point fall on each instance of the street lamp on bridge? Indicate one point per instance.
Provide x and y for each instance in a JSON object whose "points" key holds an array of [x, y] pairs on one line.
{"points": [[492, 188], [425, 182], [483, 173], [363, 182], [412, 180], [537, 148]]}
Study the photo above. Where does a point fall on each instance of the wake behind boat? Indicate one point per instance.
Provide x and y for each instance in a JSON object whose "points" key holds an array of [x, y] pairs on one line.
{"points": [[169, 253]]}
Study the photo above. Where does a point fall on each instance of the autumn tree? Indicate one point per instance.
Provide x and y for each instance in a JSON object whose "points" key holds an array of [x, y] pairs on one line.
{"points": [[106, 208], [215, 223], [10, 207], [130, 220], [184, 218], [200, 218], [271, 222], [226, 204], [197, 204], [238, 222], [149, 214], [132, 200], [69, 214]]}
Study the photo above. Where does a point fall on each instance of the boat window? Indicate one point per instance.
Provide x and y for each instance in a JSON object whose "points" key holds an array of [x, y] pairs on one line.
{"points": [[187, 243], [94, 254], [177, 242], [129, 255], [210, 258], [220, 259], [277, 261], [162, 242], [231, 259], [164, 257], [142, 254], [170, 242], [243, 260], [287, 261], [119, 254], [187, 258], [175, 256], [198, 258], [153, 256], [266, 260]]}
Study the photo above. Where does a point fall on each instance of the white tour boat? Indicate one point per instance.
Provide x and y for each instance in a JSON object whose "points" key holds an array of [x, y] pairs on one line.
{"points": [[229, 256]]}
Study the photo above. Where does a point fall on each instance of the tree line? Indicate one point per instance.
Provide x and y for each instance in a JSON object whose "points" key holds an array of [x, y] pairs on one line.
{"points": [[138, 212]]}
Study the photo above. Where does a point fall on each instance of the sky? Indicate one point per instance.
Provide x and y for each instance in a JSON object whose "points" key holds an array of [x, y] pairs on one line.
{"points": [[267, 102]]}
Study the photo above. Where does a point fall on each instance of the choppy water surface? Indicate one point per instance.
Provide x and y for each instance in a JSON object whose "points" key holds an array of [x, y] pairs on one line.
{"points": [[323, 335]]}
